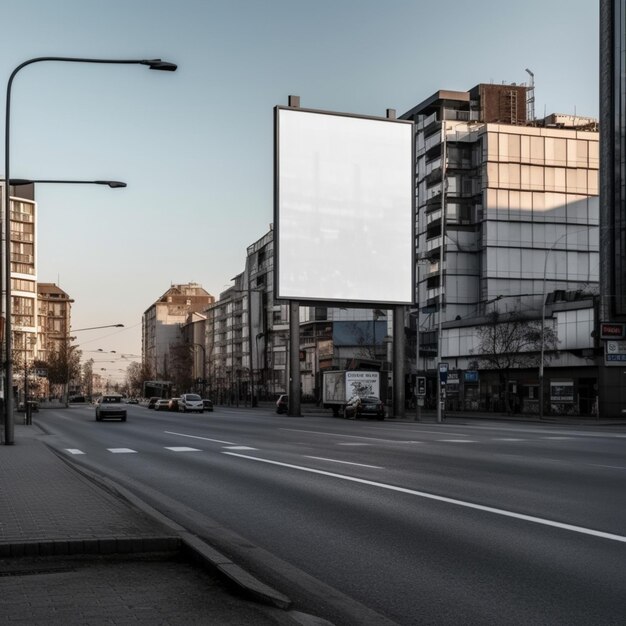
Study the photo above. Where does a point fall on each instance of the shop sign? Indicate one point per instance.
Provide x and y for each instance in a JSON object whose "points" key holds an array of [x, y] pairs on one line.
{"points": [[611, 330], [562, 391], [615, 353]]}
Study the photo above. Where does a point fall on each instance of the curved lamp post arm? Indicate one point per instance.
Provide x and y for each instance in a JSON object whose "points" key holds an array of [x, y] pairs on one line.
{"points": [[153, 64]]}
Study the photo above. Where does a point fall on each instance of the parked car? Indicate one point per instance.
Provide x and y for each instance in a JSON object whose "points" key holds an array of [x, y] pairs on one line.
{"points": [[132, 401], [152, 402], [162, 404], [110, 407], [173, 404], [191, 402], [282, 404], [207, 404], [366, 406]]}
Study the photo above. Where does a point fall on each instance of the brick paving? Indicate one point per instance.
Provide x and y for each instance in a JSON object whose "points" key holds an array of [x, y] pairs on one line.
{"points": [[73, 553]]}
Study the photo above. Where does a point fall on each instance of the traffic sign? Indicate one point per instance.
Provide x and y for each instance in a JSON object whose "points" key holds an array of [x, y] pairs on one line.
{"points": [[420, 389], [443, 373]]}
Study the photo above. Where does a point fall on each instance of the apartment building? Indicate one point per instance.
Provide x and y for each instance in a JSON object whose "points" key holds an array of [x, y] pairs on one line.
{"points": [[162, 322], [54, 313], [23, 261], [507, 224], [247, 336]]}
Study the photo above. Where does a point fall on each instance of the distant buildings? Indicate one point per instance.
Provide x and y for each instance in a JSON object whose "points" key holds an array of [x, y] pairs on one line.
{"points": [[162, 321]]}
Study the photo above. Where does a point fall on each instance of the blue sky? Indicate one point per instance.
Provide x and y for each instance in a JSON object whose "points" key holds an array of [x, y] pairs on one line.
{"points": [[196, 146]]}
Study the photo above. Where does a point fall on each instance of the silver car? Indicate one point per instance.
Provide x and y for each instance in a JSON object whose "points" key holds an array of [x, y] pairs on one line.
{"points": [[110, 407], [191, 402]]}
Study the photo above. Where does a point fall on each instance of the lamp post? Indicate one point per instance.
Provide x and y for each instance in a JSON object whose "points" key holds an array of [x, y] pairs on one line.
{"points": [[203, 364], [444, 159], [67, 353], [113, 184], [153, 64], [543, 311]]}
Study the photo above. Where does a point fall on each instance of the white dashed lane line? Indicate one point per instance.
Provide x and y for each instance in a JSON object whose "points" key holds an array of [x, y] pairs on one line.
{"points": [[183, 449], [122, 451], [239, 448], [321, 458], [74, 451]]}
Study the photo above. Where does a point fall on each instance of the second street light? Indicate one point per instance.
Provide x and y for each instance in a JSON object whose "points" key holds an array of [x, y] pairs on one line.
{"points": [[153, 64]]}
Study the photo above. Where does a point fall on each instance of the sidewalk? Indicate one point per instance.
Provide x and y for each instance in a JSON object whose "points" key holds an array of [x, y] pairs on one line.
{"points": [[72, 552]]}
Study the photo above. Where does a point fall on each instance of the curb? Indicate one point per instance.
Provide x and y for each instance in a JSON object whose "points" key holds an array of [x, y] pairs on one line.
{"points": [[188, 543]]}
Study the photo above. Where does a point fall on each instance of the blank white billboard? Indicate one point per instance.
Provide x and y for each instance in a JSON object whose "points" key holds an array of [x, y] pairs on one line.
{"points": [[343, 208]]}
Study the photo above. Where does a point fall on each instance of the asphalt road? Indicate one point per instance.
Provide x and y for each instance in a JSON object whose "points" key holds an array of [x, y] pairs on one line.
{"points": [[362, 521]]}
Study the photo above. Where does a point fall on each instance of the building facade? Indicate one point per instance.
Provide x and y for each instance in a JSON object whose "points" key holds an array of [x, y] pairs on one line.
{"points": [[507, 221], [162, 321], [23, 272]]}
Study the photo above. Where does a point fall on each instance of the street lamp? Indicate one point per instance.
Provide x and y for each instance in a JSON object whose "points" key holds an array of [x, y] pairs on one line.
{"points": [[67, 352], [203, 365], [113, 184], [153, 64]]}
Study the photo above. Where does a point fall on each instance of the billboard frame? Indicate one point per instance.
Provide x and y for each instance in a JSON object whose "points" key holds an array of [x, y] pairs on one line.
{"points": [[383, 304]]}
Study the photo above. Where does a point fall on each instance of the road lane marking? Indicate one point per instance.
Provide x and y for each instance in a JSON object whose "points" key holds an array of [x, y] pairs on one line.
{"points": [[228, 443], [182, 449], [239, 448], [418, 431], [457, 440], [556, 438], [122, 451], [506, 439], [321, 458], [353, 443], [74, 451], [318, 432], [432, 496]]}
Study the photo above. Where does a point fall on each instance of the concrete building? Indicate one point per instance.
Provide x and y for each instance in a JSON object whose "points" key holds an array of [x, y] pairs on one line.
{"points": [[248, 336], [23, 277], [54, 313], [162, 321], [507, 220]]}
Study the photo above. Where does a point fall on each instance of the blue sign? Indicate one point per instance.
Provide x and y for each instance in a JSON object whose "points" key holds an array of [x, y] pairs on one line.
{"points": [[471, 376]]}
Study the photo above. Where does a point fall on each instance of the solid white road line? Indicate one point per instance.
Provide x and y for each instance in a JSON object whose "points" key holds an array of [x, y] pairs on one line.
{"points": [[318, 432], [182, 449], [122, 451], [239, 448], [74, 451], [229, 443], [431, 496], [321, 458], [457, 440]]}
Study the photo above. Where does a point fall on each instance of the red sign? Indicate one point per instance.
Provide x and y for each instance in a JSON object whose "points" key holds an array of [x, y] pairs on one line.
{"points": [[611, 330]]}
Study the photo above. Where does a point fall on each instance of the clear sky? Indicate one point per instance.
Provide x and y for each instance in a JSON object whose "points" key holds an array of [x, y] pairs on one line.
{"points": [[196, 146]]}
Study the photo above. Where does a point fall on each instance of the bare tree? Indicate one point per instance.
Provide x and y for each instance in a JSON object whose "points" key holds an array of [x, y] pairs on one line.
{"points": [[512, 341], [181, 366], [63, 365]]}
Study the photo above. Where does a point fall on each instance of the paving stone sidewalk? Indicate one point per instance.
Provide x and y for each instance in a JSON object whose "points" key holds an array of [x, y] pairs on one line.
{"points": [[73, 553]]}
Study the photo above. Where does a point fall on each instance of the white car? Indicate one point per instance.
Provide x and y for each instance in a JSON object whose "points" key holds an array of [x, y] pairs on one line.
{"points": [[190, 402], [110, 407]]}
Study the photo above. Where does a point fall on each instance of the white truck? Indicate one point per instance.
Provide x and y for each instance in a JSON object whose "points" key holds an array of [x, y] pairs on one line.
{"points": [[338, 386]]}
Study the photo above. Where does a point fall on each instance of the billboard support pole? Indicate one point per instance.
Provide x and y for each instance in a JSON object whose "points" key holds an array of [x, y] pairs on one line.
{"points": [[399, 409], [399, 405], [293, 409]]}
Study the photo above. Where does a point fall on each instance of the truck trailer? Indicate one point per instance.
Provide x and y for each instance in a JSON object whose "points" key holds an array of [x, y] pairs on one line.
{"points": [[338, 386]]}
